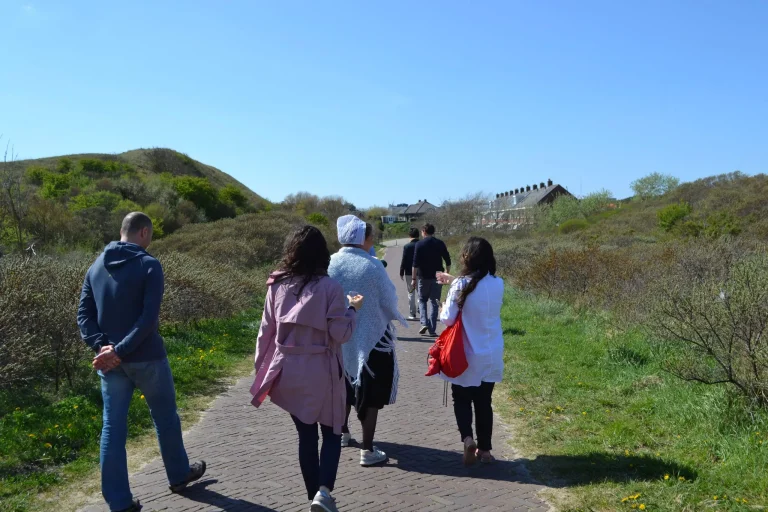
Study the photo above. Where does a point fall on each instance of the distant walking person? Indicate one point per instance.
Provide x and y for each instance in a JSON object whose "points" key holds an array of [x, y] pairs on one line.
{"points": [[370, 362], [406, 272], [119, 319], [428, 259], [477, 294], [299, 362]]}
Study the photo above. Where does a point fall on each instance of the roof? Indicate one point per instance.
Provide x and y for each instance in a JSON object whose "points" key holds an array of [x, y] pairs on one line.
{"points": [[397, 210], [420, 207], [534, 197]]}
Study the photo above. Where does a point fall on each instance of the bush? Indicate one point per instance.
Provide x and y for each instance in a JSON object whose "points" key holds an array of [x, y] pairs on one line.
{"points": [[715, 318], [672, 214], [105, 200], [317, 219], [654, 185], [573, 225]]}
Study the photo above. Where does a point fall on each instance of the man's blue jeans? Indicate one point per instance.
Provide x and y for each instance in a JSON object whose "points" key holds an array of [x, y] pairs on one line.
{"points": [[429, 290], [155, 381]]}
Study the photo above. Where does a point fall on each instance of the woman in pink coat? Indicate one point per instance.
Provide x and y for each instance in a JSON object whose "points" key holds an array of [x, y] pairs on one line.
{"points": [[298, 356]]}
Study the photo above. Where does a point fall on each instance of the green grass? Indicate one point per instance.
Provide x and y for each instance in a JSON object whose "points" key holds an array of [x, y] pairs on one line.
{"points": [[600, 421], [48, 441]]}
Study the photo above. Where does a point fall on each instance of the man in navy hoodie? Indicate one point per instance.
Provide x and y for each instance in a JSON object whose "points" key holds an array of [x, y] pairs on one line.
{"points": [[119, 319]]}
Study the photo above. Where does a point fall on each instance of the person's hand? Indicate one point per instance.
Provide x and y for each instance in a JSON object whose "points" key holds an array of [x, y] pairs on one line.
{"points": [[402, 277], [356, 301], [444, 278], [106, 360]]}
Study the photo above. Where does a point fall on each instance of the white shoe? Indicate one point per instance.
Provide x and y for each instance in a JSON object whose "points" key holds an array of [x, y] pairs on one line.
{"points": [[372, 458], [411, 317], [323, 502], [346, 437]]}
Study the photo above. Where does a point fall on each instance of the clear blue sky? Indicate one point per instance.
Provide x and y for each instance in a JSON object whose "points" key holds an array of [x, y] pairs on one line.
{"points": [[396, 100]]}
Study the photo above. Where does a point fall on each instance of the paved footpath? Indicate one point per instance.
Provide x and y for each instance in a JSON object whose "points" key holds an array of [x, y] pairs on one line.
{"points": [[253, 462]]}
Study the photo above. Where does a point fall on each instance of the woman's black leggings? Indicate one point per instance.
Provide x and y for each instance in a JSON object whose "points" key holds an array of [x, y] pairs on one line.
{"points": [[480, 396], [317, 471]]}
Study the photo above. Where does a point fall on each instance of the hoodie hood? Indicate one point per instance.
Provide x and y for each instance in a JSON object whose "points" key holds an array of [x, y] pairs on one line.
{"points": [[119, 253]]}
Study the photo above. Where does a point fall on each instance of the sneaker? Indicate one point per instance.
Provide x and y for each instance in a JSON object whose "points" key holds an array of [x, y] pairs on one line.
{"points": [[470, 451], [412, 317], [135, 507], [372, 458], [346, 437], [323, 502], [423, 329], [196, 472]]}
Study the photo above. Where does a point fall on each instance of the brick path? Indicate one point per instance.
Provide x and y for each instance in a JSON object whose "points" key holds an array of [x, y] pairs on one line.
{"points": [[253, 462]]}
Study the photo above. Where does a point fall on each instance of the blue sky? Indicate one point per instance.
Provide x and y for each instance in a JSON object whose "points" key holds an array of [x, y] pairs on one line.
{"points": [[399, 100]]}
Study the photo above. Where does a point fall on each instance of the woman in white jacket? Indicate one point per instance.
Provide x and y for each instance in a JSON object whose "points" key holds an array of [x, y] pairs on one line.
{"points": [[478, 294]]}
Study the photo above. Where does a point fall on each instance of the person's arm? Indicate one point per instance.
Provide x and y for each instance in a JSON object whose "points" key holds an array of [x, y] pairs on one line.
{"points": [[267, 330], [416, 262], [450, 310], [402, 262], [342, 320], [87, 318], [150, 316], [447, 258]]}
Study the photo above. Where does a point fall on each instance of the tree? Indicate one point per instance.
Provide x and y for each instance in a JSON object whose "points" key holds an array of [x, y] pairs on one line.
{"points": [[233, 195], [461, 216], [14, 195], [654, 185]]}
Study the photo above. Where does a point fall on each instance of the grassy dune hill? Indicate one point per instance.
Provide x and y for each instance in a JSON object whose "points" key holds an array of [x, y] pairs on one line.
{"points": [[155, 161]]}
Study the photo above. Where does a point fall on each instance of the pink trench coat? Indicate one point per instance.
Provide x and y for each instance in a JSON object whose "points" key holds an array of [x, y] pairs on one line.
{"points": [[298, 352]]}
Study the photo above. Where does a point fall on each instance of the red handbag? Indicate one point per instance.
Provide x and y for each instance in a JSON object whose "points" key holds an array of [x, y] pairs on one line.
{"points": [[447, 355]]}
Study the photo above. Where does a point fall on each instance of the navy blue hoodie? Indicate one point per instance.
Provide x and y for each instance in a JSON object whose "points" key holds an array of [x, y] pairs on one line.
{"points": [[120, 303]]}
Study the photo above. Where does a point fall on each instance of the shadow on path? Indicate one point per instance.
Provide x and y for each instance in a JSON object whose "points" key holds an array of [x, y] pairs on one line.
{"points": [[575, 470], [201, 494], [555, 470]]}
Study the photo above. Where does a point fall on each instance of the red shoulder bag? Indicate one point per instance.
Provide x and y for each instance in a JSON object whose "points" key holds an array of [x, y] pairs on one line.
{"points": [[447, 355]]}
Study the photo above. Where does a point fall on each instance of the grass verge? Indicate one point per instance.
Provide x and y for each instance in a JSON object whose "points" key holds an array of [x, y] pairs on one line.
{"points": [[49, 445], [607, 429]]}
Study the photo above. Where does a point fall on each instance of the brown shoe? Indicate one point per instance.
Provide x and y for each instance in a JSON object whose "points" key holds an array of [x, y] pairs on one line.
{"points": [[470, 451]]}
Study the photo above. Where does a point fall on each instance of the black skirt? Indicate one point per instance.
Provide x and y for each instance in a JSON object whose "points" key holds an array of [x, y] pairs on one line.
{"points": [[374, 391]]}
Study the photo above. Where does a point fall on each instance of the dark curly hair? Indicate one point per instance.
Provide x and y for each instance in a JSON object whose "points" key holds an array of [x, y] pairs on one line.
{"points": [[305, 256], [477, 261]]}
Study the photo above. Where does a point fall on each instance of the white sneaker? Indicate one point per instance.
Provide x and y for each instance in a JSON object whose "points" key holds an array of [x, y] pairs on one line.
{"points": [[323, 502], [372, 458], [412, 318], [346, 437]]}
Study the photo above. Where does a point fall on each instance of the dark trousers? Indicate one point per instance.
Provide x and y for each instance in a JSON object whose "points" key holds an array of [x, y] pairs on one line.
{"points": [[317, 471], [480, 396]]}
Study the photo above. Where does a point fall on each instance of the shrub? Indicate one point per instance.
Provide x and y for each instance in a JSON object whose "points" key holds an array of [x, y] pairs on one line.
{"points": [[93, 166], [654, 185], [233, 195], [672, 214], [318, 219], [573, 225], [55, 185], [36, 175], [106, 200], [715, 318]]}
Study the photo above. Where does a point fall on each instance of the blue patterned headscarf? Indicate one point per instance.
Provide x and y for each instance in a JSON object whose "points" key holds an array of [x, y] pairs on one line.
{"points": [[351, 230]]}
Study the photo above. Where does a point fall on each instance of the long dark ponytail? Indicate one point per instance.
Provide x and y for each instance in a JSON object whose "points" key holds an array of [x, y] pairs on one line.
{"points": [[477, 261]]}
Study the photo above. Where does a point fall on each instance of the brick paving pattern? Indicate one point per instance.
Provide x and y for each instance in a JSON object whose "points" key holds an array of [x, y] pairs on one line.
{"points": [[253, 462]]}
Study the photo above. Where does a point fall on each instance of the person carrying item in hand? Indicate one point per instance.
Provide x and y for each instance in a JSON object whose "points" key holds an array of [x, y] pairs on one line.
{"points": [[299, 362], [477, 294], [119, 319], [428, 259]]}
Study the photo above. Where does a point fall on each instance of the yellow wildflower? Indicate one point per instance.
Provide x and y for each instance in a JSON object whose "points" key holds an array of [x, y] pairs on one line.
{"points": [[666, 477], [48, 445], [55, 426], [714, 498], [18, 408], [32, 436], [522, 409], [642, 506], [142, 397], [75, 407], [624, 500], [69, 426], [682, 479], [626, 453], [584, 413]]}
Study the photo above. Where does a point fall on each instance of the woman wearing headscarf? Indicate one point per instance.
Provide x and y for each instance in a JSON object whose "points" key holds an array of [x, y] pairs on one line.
{"points": [[370, 362]]}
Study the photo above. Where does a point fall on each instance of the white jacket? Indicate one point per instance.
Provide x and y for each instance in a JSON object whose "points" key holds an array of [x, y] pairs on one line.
{"points": [[483, 338]]}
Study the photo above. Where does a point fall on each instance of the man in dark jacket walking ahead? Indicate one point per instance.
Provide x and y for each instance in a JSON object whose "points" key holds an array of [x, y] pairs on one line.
{"points": [[427, 262], [119, 319], [406, 269]]}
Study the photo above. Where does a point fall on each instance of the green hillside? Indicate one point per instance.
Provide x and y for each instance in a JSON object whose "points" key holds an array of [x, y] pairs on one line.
{"points": [[65, 202]]}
